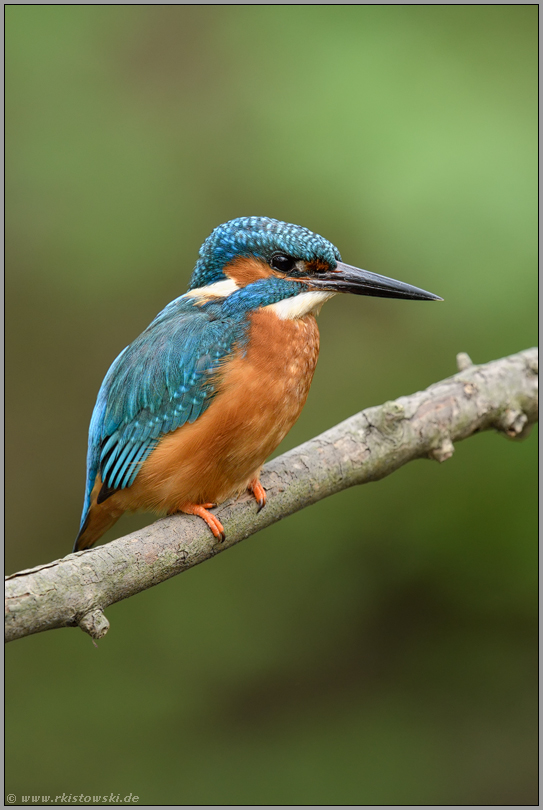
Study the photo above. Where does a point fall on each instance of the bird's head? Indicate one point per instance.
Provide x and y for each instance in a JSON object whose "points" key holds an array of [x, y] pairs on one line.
{"points": [[294, 259]]}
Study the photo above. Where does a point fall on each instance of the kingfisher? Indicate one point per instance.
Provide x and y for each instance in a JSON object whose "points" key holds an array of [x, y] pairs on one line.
{"points": [[188, 413]]}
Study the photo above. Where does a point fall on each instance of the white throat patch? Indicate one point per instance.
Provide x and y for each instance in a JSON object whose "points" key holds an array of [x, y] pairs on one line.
{"points": [[300, 305]]}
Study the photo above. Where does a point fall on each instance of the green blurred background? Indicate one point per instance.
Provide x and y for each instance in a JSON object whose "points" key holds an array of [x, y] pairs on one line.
{"points": [[380, 647]]}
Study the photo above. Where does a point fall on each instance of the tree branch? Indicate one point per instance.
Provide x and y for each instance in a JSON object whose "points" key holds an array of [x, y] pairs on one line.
{"points": [[74, 591]]}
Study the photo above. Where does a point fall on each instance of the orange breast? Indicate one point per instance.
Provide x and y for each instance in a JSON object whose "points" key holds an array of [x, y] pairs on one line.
{"points": [[260, 398]]}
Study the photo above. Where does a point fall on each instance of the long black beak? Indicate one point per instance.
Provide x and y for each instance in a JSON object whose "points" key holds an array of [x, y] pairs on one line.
{"points": [[344, 278]]}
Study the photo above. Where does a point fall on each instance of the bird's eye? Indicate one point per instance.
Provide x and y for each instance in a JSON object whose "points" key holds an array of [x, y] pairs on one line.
{"points": [[282, 263]]}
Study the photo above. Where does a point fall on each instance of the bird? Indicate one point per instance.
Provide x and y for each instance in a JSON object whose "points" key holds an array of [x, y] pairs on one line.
{"points": [[190, 410]]}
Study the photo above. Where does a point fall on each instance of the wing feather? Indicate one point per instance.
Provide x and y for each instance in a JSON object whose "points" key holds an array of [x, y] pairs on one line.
{"points": [[165, 378]]}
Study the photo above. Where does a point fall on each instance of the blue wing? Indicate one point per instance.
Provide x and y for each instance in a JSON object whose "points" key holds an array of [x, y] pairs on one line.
{"points": [[162, 380]]}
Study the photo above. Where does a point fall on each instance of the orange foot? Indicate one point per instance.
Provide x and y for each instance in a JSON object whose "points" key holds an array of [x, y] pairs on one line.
{"points": [[201, 510], [258, 491]]}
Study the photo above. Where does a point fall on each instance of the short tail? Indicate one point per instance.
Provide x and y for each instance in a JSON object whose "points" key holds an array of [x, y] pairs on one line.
{"points": [[100, 518]]}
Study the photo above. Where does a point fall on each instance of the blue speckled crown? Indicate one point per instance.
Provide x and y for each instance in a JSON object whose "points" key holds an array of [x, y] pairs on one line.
{"points": [[261, 237]]}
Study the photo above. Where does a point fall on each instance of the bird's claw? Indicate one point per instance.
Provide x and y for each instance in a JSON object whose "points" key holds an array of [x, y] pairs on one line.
{"points": [[212, 521], [259, 493]]}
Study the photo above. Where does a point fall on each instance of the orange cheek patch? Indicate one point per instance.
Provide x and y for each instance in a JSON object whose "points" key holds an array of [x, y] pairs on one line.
{"points": [[246, 269], [317, 267]]}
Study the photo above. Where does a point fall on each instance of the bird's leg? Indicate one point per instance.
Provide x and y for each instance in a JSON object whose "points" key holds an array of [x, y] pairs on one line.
{"points": [[256, 488], [213, 522]]}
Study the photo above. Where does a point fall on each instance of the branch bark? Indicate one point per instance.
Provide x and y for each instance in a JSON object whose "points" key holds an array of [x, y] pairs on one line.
{"points": [[74, 591]]}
